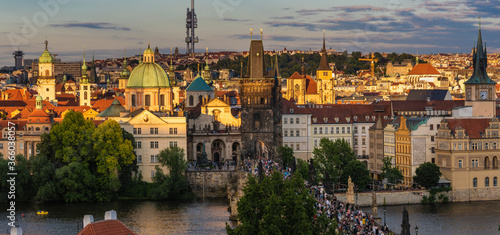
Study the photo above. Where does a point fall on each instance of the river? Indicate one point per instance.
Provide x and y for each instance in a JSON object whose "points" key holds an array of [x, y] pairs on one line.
{"points": [[208, 216], [450, 218]]}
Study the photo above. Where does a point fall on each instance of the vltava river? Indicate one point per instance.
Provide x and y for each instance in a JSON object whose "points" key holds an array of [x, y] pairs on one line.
{"points": [[197, 216], [469, 218]]}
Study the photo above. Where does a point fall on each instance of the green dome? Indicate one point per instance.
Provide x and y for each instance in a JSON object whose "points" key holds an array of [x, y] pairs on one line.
{"points": [[148, 75], [199, 85], [46, 57]]}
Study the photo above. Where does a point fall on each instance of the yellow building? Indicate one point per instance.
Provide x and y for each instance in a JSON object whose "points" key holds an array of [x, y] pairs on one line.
{"points": [[403, 152]]}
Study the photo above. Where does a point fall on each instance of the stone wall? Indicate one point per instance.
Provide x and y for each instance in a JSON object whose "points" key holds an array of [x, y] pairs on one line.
{"points": [[210, 183], [391, 197], [475, 194]]}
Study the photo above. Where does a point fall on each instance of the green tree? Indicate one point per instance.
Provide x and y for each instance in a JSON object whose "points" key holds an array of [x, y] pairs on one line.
{"points": [[288, 208], [359, 174], [390, 172], [333, 157], [22, 179], [286, 154], [76, 183], [427, 175], [302, 168], [175, 184]]}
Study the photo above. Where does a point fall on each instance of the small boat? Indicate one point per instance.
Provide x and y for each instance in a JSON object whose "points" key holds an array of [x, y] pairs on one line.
{"points": [[42, 213]]}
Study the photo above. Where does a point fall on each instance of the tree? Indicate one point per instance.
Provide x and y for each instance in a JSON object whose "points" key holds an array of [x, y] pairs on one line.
{"points": [[286, 155], [302, 168], [288, 208], [175, 184], [427, 175], [23, 190], [359, 174], [333, 157], [390, 172]]}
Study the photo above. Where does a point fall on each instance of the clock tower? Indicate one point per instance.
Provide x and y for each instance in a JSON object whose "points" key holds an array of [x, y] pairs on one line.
{"points": [[480, 89]]}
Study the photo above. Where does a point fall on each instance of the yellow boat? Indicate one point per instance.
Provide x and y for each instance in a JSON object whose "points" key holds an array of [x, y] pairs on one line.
{"points": [[42, 213]]}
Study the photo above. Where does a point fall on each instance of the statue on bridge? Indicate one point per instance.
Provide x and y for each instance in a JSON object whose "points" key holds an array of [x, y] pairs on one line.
{"points": [[202, 160]]}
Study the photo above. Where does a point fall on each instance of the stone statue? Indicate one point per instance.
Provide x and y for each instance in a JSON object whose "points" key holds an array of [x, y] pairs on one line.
{"points": [[312, 173], [374, 205], [203, 160], [350, 192], [405, 226]]}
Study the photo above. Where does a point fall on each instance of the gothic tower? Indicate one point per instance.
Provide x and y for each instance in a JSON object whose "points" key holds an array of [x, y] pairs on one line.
{"points": [[261, 133], [480, 89], [324, 77]]}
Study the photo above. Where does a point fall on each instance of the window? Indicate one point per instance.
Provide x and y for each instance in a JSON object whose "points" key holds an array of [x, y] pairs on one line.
{"points": [[21, 145], [153, 130], [431, 127], [355, 141], [133, 100], [495, 181], [138, 144], [286, 133], [343, 130], [315, 143], [162, 100], [297, 120], [337, 130], [432, 138], [152, 174], [154, 158], [363, 141], [475, 162], [139, 131], [191, 100], [486, 146], [291, 120], [297, 147], [139, 158], [460, 164], [154, 144], [363, 130], [285, 121], [331, 131], [1, 145], [487, 182], [315, 130], [321, 130], [474, 146], [135, 131], [173, 143], [147, 100], [356, 130], [348, 130], [297, 132], [291, 133], [433, 149]]}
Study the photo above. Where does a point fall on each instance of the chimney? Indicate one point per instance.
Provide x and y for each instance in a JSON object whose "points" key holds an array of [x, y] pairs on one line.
{"points": [[16, 231], [110, 215], [87, 219]]}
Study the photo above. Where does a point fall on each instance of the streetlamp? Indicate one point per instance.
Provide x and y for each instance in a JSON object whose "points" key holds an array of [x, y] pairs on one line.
{"points": [[357, 207], [416, 230], [384, 217]]}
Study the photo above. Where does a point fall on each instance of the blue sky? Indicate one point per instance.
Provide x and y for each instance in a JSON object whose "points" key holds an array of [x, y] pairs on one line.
{"points": [[107, 27]]}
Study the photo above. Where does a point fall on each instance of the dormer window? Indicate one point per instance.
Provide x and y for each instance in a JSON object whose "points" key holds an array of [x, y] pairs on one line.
{"points": [[367, 118], [315, 120], [325, 120], [355, 118], [337, 120], [348, 119]]}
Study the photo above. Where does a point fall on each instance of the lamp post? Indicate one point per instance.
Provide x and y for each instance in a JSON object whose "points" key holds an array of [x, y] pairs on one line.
{"points": [[357, 207], [416, 230], [384, 217]]}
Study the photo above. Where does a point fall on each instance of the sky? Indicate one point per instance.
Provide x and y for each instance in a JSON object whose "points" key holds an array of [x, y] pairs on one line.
{"points": [[108, 27]]}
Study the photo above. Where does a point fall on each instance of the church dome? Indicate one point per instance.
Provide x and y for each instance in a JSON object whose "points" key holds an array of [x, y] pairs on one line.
{"points": [[148, 74]]}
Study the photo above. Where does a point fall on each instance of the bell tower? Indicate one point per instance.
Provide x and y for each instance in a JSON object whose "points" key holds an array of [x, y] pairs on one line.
{"points": [[46, 81], [85, 93], [480, 89]]}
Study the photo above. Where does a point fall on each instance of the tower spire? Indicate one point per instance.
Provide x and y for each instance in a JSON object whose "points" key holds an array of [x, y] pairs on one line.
{"points": [[46, 44], [324, 48]]}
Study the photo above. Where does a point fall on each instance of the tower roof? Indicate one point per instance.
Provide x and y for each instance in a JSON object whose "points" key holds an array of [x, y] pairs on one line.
{"points": [[199, 85], [256, 67], [480, 62], [46, 57], [323, 64]]}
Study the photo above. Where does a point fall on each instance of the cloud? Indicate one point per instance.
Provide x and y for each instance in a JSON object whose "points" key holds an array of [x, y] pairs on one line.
{"points": [[98, 25], [283, 17], [307, 26], [234, 20]]}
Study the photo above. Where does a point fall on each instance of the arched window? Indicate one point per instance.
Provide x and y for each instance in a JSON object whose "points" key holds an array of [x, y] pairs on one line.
{"points": [[486, 162], [297, 87], [147, 100], [85, 95], [200, 99], [474, 182], [47, 73], [495, 181], [191, 100], [133, 100], [487, 182], [495, 162]]}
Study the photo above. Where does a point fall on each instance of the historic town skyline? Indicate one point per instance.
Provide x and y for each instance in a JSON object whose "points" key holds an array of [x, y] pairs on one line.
{"points": [[109, 27]]}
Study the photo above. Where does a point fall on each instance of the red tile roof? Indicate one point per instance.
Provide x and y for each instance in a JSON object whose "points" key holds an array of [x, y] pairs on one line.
{"points": [[106, 227], [287, 106], [311, 86], [424, 69], [473, 127], [103, 104], [296, 75]]}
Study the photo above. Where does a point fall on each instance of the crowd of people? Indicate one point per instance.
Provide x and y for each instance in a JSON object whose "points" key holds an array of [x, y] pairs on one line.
{"points": [[349, 219]]}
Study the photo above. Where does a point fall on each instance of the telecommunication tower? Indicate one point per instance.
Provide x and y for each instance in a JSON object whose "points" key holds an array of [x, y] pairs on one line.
{"points": [[191, 24]]}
